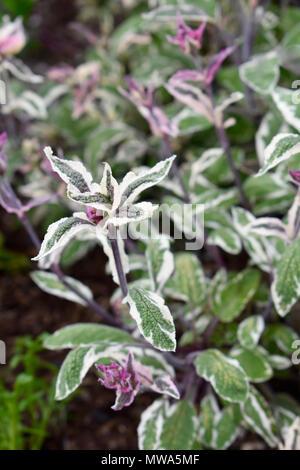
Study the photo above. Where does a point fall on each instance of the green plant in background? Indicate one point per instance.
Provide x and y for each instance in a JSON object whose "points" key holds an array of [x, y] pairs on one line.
{"points": [[28, 406], [209, 329]]}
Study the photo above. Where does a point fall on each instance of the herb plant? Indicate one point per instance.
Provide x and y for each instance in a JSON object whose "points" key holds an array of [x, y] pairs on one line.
{"points": [[207, 124]]}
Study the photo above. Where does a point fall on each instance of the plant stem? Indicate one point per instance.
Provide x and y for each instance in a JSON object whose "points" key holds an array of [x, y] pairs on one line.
{"points": [[56, 270], [119, 265]]}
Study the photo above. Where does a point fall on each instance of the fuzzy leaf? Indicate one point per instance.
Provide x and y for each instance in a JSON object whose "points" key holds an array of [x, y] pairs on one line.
{"points": [[281, 148], [226, 239], [254, 363], [286, 284], [160, 261], [236, 294], [188, 282], [59, 233], [50, 283], [225, 375], [132, 185], [288, 106], [85, 334], [258, 416], [250, 330], [261, 73], [153, 318], [166, 427], [71, 172]]}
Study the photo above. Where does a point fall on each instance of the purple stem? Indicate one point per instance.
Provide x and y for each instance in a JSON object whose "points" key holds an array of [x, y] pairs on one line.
{"points": [[119, 266]]}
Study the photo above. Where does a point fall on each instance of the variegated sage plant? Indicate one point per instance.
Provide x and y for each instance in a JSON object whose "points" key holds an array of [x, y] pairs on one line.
{"points": [[214, 331]]}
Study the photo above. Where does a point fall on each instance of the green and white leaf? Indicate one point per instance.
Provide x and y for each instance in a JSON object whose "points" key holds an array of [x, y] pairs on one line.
{"points": [[160, 261], [82, 358], [281, 148], [255, 364], [257, 414], [236, 294], [71, 172], [153, 318], [288, 105], [250, 330], [85, 334], [225, 375], [132, 184], [150, 427], [286, 285], [59, 233], [50, 283], [261, 73], [179, 427], [226, 239], [188, 282], [167, 427]]}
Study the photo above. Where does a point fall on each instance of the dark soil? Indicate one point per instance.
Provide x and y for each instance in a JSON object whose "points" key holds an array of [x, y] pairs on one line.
{"points": [[26, 310]]}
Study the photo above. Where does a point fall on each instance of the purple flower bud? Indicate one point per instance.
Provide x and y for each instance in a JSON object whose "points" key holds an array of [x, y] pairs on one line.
{"points": [[94, 215], [216, 63], [295, 176], [142, 98], [123, 379], [186, 36], [12, 38]]}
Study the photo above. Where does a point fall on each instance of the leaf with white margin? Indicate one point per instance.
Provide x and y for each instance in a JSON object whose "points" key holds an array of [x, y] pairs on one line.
{"points": [[226, 428], [50, 283], [283, 336], [160, 262], [226, 239], [60, 232], [286, 285], [257, 414], [106, 245], [269, 227], [255, 364], [250, 330], [270, 125], [153, 318], [82, 358], [255, 245], [217, 429], [224, 373], [133, 213], [150, 426], [71, 172], [209, 409], [132, 185], [279, 362], [178, 429], [261, 73], [287, 105], [281, 148], [208, 158], [188, 282], [192, 97], [85, 334], [236, 294], [167, 427]]}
